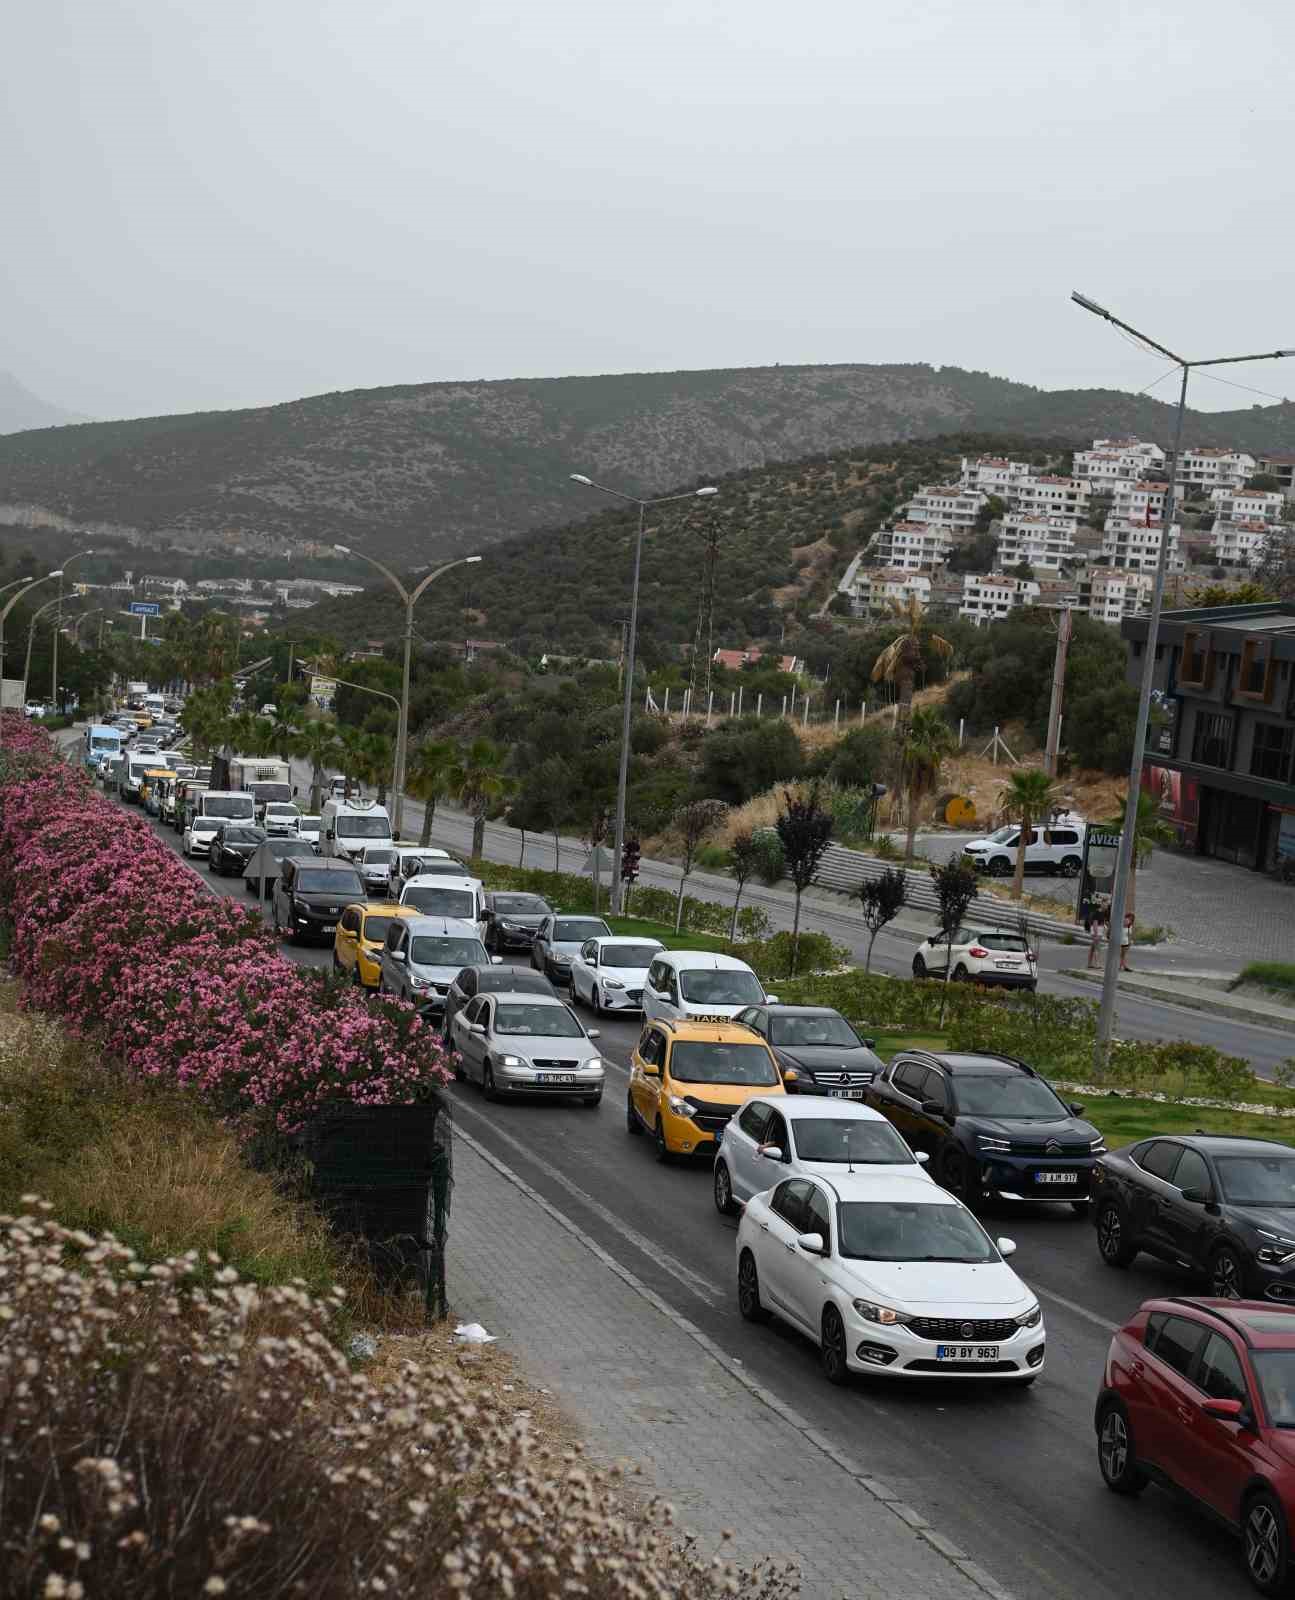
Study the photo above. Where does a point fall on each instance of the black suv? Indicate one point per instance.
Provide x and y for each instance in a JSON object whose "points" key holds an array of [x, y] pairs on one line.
{"points": [[990, 1125], [1221, 1205], [310, 895], [817, 1050], [511, 919], [232, 847]]}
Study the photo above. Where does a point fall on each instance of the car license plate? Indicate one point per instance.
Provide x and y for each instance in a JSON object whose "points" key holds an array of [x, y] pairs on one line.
{"points": [[555, 1077], [845, 1094], [330, 927], [1056, 1177], [1007, 963], [966, 1352]]}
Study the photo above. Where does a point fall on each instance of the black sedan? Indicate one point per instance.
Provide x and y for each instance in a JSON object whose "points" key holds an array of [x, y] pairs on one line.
{"points": [[263, 863], [817, 1050], [232, 847], [473, 981], [511, 919], [1220, 1205]]}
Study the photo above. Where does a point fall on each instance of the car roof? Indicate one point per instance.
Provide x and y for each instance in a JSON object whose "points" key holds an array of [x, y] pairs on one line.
{"points": [[959, 1061], [443, 927], [1220, 1144], [386, 908], [796, 1106], [531, 997], [439, 880], [722, 1032], [893, 1188], [496, 978], [798, 1011], [705, 959], [628, 938], [325, 863], [1263, 1324]]}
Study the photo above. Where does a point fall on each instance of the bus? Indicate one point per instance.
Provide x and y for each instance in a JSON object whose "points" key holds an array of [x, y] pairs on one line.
{"points": [[101, 740]]}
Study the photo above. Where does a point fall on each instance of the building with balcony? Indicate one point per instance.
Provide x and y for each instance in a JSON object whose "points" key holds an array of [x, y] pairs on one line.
{"points": [[1136, 545], [1280, 464], [1109, 594], [991, 596], [1220, 754], [1248, 505], [948, 504], [1114, 461], [993, 474], [1213, 468], [1044, 541], [913, 546], [1238, 544], [1051, 496], [877, 589]]}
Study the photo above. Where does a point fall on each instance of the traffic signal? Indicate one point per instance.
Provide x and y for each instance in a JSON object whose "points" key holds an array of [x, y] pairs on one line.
{"points": [[630, 853]]}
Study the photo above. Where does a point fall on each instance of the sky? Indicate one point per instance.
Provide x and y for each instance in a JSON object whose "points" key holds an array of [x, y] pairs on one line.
{"points": [[211, 205]]}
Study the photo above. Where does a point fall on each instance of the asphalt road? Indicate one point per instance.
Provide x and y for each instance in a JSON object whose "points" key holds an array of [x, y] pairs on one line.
{"points": [[1011, 1476]]}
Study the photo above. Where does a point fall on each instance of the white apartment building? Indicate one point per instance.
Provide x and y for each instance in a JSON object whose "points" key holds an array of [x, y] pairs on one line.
{"points": [[1139, 502], [875, 590], [1047, 495], [1109, 594], [1136, 545], [1113, 461], [990, 596], [993, 474], [1236, 544], [1045, 542], [1214, 468], [910, 546], [948, 503], [1248, 505]]}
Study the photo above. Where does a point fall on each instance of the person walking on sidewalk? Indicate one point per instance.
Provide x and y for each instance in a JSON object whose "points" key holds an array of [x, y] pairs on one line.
{"points": [[1126, 939], [1095, 938]]}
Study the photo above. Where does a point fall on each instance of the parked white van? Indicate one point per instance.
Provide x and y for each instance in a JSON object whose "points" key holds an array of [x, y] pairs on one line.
{"points": [[347, 826], [434, 895], [1056, 846], [699, 986]]}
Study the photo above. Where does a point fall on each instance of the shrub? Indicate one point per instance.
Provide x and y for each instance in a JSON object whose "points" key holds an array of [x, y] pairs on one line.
{"points": [[1270, 974]]}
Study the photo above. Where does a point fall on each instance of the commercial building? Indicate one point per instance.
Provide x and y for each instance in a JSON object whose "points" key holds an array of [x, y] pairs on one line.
{"points": [[1220, 752]]}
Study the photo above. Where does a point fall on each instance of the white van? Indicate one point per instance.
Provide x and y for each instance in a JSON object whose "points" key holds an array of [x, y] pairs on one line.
{"points": [[346, 826], [434, 895], [214, 807], [698, 986], [1056, 846]]}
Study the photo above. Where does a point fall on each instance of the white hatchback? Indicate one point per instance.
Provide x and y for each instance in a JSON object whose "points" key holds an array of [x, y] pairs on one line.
{"points": [[699, 986], [990, 956], [888, 1275], [609, 974], [787, 1136]]}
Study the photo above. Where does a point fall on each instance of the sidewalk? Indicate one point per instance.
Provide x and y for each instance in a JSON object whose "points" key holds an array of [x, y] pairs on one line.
{"points": [[1188, 989], [647, 1386]]}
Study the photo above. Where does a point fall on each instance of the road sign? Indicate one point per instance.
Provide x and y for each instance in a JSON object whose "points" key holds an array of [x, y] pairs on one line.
{"points": [[145, 608]]}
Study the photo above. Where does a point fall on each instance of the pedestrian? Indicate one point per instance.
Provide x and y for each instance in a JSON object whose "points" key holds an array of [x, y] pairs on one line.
{"points": [[1095, 939], [1126, 939]]}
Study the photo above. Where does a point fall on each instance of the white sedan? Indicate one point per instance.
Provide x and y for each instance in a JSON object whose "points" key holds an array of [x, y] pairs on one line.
{"points": [[609, 974], [887, 1275]]}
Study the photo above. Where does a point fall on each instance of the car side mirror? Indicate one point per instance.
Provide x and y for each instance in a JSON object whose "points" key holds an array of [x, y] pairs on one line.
{"points": [[1224, 1410], [330, 834], [770, 1152], [933, 1108], [812, 1244], [1198, 1197], [771, 1000], [1075, 1109], [396, 955], [650, 1069], [593, 1033], [922, 1157], [1006, 1247], [476, 1027], [869, 1042], [496, 961]]}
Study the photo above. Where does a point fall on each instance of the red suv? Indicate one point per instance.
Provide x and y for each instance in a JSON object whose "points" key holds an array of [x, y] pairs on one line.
{"points": [[1200, 1395]]}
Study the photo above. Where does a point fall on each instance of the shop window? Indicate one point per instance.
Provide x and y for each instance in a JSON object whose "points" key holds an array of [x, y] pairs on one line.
{"points": [[1196, 667], [1212, 739], [1272, 750]]}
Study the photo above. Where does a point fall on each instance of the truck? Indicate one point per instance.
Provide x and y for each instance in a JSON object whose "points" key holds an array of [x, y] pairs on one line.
{"points": [[136, 694], [347, 826], [264, 777]]}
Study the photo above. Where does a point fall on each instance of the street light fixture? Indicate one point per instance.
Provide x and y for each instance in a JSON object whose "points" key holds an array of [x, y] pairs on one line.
{"points": [[1124, 859], [58, 627], [27, 583], [627, 707], [411, 599], [31, 634]]}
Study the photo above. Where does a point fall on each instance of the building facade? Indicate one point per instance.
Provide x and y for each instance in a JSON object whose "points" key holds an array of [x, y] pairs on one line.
{"points": [[1045, 542], [949, 504], [1213, 468], [991, 596]]}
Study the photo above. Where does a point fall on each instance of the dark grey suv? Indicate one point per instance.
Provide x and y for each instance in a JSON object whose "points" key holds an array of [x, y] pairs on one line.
{"points": [[310, 895]]}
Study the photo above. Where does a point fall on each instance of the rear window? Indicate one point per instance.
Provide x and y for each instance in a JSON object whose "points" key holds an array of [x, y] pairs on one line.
{"points": [[338, 883], [1002, 941], [435, 902]]}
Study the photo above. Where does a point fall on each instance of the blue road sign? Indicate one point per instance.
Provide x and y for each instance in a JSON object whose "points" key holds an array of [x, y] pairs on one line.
{"points": [[146, 608]]}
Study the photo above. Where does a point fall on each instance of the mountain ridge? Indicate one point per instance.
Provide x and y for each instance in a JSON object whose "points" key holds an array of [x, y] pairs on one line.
{"points": [[21, 410]]}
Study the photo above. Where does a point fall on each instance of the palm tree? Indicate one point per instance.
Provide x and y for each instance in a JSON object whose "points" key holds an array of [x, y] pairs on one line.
{"points": [[1149, 830], [928, 740], [428, 779], [376, 753], [1026, 798], [901, 660], [318, 743], [478, 778], [207, 720]]}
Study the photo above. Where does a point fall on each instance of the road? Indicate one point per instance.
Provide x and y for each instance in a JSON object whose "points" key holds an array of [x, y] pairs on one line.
{"points": [[1011, 1477]]}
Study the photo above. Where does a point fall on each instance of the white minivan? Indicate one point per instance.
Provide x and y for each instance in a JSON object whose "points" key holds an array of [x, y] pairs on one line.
{"points": [[699, 986], [1052, 847], [434, 895]]}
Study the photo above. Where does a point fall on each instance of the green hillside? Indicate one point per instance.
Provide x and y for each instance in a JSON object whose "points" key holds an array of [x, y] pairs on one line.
{"points": [[418, 471]]}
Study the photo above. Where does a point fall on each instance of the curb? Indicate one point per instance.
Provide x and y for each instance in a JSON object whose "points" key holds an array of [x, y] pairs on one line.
{"points": [[1193, 1002]]}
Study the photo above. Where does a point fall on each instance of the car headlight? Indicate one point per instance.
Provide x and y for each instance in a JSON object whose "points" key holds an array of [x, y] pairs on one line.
{"points": [[508, 927], [1031, 1318], [512, 1061], [1277, 1254], [996, 1147], [1097, 1147], [887, 1316], [612, 983], [681, 1108]]}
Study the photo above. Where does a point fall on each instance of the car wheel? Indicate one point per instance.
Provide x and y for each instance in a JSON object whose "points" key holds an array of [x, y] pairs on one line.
{"points": [[1070, 867], [488, 1090], [355, 977], [1115, 1244], [831, 1347], [999, 867], [1227, 1275], [1266, 1544], [960, 973], [1115, 1453], [663, 1154], [596, 1001], [632, 1123], [724, 1202], [919, 967], [958, 1176], [748, 1290]]}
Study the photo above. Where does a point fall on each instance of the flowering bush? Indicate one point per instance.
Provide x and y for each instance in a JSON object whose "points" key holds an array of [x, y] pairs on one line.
{"points": [[162, 1438], [119, 938]]}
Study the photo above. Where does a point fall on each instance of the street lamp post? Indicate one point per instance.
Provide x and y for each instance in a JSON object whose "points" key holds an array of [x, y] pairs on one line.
{"points": [[26, 583], [1124, 859], [411, 599], [58, 626], [365, 688], [627, 705], [31, 634]]}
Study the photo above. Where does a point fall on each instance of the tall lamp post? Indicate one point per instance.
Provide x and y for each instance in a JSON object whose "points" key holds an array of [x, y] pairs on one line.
{"points": [[1124, 859], [364, 688], [411, 599], [58, 628], [627, 707], [31, 635], [26, 584]]}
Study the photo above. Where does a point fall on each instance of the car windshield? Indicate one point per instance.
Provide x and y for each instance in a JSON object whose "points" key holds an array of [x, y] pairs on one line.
{"points": [[823, 1027], [629, 955], [1275, 1370], [437, 950], [1001, 941], [280, 808], [352, 827], [711, 986], [308, 824], [240, 835], [545, 1022], [707, 1061], [378, 856], [521, 905], [1006, 1094], [434, 902], [576, 929], [337, 883], [876, 1230], [1002, 835], [850, 1140], [231, 805], [1257, 1180], [375, 928]]}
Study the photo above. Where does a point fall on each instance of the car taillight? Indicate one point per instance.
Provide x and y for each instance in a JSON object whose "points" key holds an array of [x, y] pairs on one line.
{"points": [[977, 952]]}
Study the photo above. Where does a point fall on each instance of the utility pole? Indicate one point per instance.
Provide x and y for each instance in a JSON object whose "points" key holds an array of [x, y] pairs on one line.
{"points": [[1124, 859], [1064, 630]]}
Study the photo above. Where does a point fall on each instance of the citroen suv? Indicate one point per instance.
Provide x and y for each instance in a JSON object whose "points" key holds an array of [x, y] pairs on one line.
{"points": [[310, 896]]}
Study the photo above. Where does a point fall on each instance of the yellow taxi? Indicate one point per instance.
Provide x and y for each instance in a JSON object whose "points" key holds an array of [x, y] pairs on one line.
{"points": [[688, 1078], [154, 780], [361, 930]]}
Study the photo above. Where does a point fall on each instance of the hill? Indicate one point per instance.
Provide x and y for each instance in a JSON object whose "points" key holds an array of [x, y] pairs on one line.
{"points": [[20, 408], [785, 534], [416, 472]]}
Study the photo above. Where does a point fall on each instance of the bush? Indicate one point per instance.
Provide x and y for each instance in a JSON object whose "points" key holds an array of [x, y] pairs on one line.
{"points": [[771, 958], [166, 1440], [1270, 975], [745, 757]]}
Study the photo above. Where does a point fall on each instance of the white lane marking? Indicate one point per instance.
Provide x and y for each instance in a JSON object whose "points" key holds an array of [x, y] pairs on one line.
{"points": [[1079, 1311], [912, 1519], [703, 1288]]}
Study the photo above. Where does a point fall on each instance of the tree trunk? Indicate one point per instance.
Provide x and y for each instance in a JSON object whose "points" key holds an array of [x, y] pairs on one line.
{"points": [[316, 789], [557, 853], [478, 834], [737, 901], [597, 877], [1018, 877], [867, 960], [795, 933], [1131, 893], [911, 827], [429, 813], [521, 854], [678, 909]]}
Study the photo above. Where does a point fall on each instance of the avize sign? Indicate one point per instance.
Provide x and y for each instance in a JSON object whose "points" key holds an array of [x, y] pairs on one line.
{"points": [[1097, 880]]}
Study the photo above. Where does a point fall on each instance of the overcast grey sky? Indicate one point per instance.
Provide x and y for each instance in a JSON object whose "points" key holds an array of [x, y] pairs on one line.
{"points": [[232, 202]]}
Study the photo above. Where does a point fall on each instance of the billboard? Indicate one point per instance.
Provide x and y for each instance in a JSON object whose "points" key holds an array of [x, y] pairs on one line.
{"points": [[1162, 727], [1177, 798], [1097, 879], [145, 608], [323, 691]]}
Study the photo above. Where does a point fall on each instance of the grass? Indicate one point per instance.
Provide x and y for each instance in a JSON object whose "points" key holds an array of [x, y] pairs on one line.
{"points": [[640, 927], [1278, 975]]}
